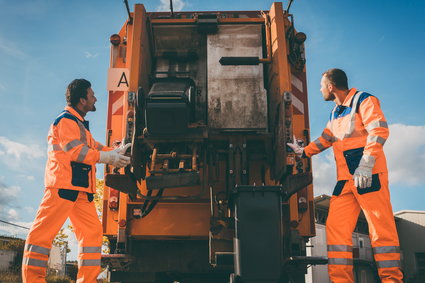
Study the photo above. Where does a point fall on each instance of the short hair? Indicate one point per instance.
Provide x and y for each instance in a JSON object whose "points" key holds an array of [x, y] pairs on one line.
{"points": [[76, 89], [337, 77]]}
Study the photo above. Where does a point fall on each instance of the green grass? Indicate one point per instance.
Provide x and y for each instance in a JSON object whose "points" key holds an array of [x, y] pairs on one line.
{"points": [[15, 277]]}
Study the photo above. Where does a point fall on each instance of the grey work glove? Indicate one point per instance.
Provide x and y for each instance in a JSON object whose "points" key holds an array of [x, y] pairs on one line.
{"points": [[296, 147], [115, 157], [363, 174]]}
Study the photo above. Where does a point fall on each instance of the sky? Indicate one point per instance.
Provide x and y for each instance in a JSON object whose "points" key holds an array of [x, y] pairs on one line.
{"points": [[45, 44]]}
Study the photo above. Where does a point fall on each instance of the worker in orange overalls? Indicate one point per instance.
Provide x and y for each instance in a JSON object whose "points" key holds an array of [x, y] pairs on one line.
{"points": [[357, 131], [70, 181]]}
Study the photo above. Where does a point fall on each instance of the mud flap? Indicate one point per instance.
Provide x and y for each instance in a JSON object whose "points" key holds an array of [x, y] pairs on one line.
{"points": [[122, 183]]}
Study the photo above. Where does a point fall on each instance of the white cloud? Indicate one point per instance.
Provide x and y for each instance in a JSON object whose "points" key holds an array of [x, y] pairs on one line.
{"points": [[89, 55], [8, 201], [29, 178], [14, 231], [12, 214], [8, 194], [178, 5], [324, 173], [405, 153], [19, 150], [29, 209]]}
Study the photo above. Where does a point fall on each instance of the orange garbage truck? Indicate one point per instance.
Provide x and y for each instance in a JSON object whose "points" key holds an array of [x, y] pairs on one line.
{"points": [[213, 194]]}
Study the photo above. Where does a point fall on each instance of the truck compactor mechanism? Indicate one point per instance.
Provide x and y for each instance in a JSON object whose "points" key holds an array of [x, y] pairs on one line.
{"points": [[209, 101]]}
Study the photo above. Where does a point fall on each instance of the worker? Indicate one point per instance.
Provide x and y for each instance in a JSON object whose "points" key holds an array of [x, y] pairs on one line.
{"points": [[357, 131], [70, 184]]}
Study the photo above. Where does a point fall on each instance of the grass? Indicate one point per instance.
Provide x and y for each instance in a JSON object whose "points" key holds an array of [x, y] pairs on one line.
{"points": [[15, 277], [10, 277]]}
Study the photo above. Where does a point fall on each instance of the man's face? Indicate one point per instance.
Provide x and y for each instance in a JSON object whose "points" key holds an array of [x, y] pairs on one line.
{"points": [[90, 101], [326, 89]]}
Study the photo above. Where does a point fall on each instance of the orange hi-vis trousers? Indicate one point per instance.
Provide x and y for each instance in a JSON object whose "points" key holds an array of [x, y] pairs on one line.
{"points": [[344, 210], [52, 214]]}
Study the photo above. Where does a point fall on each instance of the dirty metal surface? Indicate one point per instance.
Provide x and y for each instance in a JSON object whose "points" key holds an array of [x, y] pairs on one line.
{"points": [[236, 96]]}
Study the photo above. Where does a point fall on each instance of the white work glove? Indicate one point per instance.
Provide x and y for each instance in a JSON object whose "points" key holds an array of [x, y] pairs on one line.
{"points": [[123, 148], [114, 157], [297, 148], [363, 174]]}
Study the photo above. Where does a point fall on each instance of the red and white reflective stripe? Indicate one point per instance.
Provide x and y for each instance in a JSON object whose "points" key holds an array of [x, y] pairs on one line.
{"points": [[297, 84], [118, 105], [298, 104]]}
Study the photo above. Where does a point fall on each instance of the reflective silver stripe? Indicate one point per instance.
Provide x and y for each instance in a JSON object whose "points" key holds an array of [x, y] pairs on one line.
{"points": [[319, 144], [386, 250], [351, 126], [333, 113], [34, 262], [53, 147], [89, 262], [37, 249], [83, 153], [340, 261], [340, 248], [327, 137], [371, 139], [388, 263], [71, 145], [83, 136], [99, 146], [376, 124], [90, 249]]}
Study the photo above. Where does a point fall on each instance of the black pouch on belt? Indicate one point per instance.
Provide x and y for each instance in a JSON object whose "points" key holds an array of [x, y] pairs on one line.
{"points": [[376, 186], [68, 194]]}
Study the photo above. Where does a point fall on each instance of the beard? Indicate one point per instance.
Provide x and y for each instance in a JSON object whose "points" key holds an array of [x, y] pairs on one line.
{"points": [[329, 97], [92, 109]]}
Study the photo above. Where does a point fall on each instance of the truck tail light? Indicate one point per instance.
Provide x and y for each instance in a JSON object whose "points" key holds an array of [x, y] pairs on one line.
{"points": [[114, 197]]}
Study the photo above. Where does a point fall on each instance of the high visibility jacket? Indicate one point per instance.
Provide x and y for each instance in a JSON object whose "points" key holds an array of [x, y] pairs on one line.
{"points": [[72, 153], [356, 128]]}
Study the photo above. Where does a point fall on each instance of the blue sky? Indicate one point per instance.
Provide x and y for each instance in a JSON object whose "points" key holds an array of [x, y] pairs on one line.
{"points": [[44, 44]]}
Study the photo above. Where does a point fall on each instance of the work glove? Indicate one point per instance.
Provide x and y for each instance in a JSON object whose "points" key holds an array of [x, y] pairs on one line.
{"points": [[114, 157], [123, 148], [363, 174], [296, 147]]}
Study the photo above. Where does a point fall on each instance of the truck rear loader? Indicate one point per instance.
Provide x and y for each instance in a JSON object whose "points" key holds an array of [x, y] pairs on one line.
{"points": [[213, 194]]}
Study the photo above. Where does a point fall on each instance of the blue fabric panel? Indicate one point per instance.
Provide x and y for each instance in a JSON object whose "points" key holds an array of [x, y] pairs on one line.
{"points": [[362, 97], [66, 114], [341, 111]]}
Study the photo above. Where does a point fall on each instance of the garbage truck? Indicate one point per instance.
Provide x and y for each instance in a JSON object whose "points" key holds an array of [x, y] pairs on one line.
{"points": [[209, 101]]}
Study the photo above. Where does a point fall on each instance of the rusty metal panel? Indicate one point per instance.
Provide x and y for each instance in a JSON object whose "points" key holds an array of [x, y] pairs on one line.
{"points": [[236, 95]]}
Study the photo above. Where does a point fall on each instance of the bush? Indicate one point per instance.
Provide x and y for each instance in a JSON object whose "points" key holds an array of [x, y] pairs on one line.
{"points": [[9, 277], [18, 246]]}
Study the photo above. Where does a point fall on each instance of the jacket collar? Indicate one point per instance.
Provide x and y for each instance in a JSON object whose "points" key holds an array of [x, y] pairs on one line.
{"points": [[74, 112], [350, 95], [78, 116]]}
